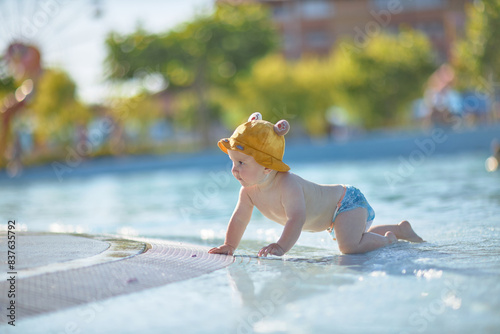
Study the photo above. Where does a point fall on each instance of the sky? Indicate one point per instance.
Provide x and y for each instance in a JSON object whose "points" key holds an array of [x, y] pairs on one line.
{"points": [[71, 33]]}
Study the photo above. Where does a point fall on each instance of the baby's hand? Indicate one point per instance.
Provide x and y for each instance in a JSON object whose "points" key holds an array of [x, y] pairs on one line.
{"points": [[273, 249], [224, 249]]}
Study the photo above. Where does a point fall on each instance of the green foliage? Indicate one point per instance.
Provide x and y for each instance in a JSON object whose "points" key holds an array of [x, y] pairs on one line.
{"points": [[477, 56], [7, 86], [136, 113], [215, 47], [300, 92], [206, 53], [376, 83], [55, 109], [7, 83], [128, 54]]}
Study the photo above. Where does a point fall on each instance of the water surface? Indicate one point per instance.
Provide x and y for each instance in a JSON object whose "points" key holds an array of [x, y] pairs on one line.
{"points": [[448, 284]]}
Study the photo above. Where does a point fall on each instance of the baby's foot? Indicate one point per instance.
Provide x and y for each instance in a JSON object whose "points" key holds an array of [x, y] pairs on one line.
{"points": [[406, 232], [392, 237]]}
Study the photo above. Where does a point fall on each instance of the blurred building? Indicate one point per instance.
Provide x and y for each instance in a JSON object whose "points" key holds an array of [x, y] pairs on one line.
{"points": [[314, 26]]}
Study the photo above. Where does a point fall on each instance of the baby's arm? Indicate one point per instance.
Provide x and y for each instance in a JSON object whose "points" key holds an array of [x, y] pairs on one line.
{"points": [[295, 208], [237, 225]]}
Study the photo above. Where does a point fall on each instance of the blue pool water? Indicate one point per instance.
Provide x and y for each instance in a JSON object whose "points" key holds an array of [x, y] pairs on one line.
{"points": [[451, 283]]}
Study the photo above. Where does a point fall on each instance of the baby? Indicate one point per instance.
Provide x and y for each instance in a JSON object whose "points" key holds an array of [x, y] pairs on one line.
{"points": [[256, 149]]}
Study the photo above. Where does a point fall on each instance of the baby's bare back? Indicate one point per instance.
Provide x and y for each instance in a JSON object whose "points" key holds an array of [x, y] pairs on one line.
{"points": [[320, 201]]}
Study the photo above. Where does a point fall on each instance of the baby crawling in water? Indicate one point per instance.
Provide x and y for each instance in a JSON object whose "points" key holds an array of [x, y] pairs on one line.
{"points": [[256, 149]]}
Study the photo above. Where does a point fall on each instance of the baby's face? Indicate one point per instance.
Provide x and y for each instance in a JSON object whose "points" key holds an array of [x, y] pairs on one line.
{"points": [[246, 169]]}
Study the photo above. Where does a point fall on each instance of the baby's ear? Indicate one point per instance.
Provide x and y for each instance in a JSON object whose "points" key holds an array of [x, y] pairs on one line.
{"points": [[256, 116], [281, 128]]}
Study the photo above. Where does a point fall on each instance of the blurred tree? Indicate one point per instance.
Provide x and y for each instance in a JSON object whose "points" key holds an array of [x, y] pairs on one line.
{"points": [[300, 92], [477, 56], [133, 115], [7, 85], [55, 109], [7, 103], [211, 51], [21, 68], [377, 82]]}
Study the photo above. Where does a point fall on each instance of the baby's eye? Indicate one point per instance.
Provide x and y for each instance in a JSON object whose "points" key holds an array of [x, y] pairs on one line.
{"points": [[240, 162]]}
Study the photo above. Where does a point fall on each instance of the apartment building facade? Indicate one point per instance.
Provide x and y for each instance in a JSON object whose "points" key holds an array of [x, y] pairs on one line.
{"points": [[314, 26]]}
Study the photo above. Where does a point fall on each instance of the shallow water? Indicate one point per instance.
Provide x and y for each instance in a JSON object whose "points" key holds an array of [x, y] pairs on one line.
{"points": [[450, 283]]}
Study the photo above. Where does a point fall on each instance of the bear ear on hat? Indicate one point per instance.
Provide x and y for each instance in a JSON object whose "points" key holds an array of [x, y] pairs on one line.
{"points": [[256, 116], [282, 127]]}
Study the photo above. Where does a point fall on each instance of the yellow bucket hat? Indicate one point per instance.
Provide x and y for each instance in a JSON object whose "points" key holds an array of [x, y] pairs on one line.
{"points": [[262, 140]]}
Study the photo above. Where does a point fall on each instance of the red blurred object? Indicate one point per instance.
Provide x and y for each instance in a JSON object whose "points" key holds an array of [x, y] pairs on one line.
{"points": [[24, 62]]}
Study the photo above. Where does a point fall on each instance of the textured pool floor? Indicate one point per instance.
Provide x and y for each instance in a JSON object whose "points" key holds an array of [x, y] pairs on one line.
{"points": [[59, 271]]}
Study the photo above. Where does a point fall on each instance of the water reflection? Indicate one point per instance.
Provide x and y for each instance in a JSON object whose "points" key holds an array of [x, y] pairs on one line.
{"points": [[265, 287]]}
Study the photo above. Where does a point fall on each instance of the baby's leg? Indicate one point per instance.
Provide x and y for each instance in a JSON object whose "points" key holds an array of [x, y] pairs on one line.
{"points": [[351, 236], [402, 230]]}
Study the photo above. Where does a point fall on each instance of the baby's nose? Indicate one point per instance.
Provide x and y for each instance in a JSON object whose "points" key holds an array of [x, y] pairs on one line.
{"points": [[235, 170]]}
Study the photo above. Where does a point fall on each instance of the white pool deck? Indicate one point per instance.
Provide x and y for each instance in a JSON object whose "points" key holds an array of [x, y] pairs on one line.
{"points": [[53, 272]]}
